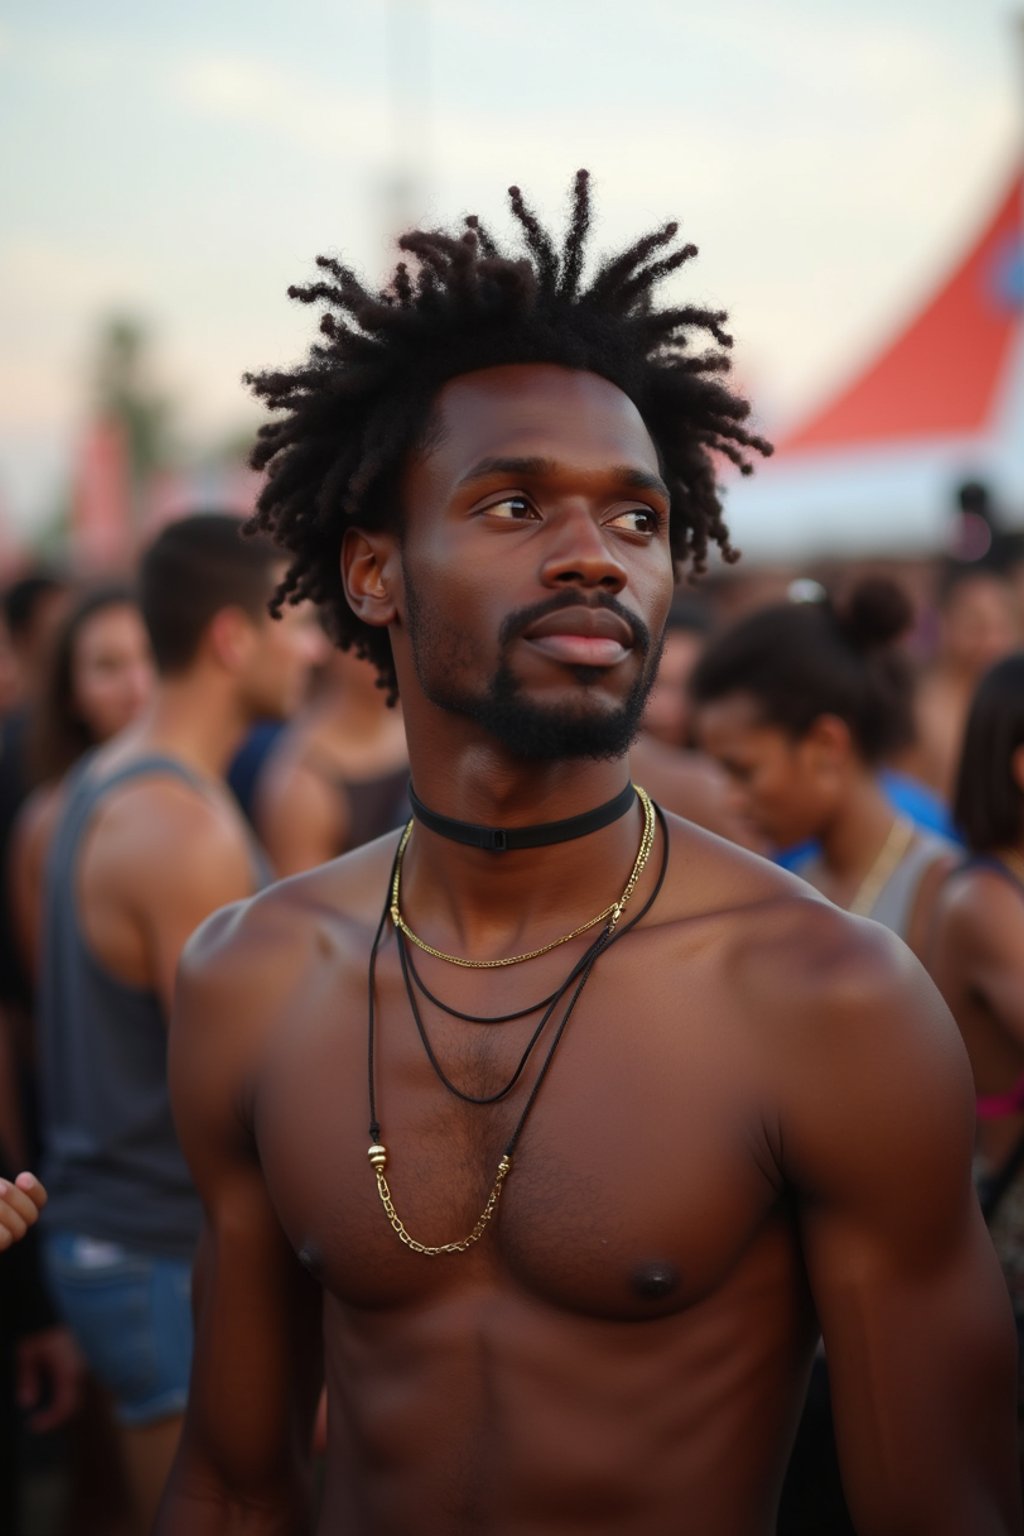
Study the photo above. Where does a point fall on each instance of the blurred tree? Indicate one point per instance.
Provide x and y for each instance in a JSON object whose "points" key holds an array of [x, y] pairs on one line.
{"points": [[125, 394]]}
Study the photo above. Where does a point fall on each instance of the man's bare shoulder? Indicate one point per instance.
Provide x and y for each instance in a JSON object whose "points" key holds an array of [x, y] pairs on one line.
{"points": [[161, 806], [258, 972], [159, 835], [809, 976], [713, 879], [319, 919]]}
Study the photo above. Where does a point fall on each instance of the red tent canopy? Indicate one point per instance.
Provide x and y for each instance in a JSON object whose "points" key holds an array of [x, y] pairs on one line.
{"points": [[876, 466], [943, 373]]}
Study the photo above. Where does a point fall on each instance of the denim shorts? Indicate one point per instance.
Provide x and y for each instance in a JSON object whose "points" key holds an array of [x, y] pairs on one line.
{"points": [[131, 1315]]}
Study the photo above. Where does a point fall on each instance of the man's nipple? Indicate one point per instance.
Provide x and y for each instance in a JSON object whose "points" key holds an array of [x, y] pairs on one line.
{"points": [[656, 1280], [311, 1258]]}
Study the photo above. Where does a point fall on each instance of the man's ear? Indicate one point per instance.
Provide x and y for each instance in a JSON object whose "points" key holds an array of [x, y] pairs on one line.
{"points": [[370, 575], [230, 636]]}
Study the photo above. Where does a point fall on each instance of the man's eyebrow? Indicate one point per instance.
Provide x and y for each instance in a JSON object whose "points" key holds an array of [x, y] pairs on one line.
{"points": [[528, 468], [640, 479], [535, 468]]}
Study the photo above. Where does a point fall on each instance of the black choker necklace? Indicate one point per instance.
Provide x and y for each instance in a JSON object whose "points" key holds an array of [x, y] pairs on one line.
{"points": [[507, 839]]}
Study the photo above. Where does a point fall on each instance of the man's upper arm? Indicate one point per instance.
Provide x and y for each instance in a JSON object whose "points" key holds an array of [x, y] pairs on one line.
{"points": [[877, 1135], [257, 1369], [195, 859]]}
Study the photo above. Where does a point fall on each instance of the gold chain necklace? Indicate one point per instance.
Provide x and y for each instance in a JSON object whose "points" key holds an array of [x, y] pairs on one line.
{"points": [[610, 915], [378, 1153], [901, 835], [378, 1156]]}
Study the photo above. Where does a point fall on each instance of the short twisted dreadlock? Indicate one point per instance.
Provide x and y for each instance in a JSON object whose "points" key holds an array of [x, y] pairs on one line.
{"points": [[362, 401]]}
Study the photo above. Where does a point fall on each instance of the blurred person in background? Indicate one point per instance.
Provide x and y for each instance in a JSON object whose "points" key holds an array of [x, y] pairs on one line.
{"points": [[99, 677], [801, 704], [9, 677], [338, 774], [40, 1367], [149, 841], [32, 607], [664, 758], [978, 624], [668, 715], [977, 954]]}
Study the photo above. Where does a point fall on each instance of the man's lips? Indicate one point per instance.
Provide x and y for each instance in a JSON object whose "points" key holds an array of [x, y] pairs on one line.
{"points": [[590, 637]]}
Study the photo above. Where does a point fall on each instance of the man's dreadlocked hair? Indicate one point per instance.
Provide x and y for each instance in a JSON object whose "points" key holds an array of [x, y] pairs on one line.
{"points": [[354, 410]]}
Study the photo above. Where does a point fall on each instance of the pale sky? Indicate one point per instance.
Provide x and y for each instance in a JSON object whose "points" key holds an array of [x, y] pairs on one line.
{"points": [[186, 163]]}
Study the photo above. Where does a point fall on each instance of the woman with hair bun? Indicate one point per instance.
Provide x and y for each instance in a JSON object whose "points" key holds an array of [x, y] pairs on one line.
{"points": [[803, 703], [977, 956]]}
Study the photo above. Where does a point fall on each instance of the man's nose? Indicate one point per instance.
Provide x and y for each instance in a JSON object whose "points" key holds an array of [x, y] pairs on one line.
{"points": [[581, 554]]}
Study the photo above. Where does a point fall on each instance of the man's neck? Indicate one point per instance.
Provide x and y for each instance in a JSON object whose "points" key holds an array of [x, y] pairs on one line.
{"points": [[202, 726], [481, 903]]}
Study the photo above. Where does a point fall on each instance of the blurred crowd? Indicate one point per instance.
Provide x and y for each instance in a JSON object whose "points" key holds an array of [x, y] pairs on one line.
{"points": [[166, 747]]}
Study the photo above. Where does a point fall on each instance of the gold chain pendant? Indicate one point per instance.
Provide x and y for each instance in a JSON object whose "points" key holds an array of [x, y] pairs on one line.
{"points": [[378, 1156]]}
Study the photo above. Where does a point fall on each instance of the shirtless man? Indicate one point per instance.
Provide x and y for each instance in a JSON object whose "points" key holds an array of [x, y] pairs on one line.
{"points": [[748, 1115], [148, 843]]}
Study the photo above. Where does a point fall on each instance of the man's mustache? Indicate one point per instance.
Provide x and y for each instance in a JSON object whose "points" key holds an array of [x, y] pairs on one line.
{"points": [[516, 623]]}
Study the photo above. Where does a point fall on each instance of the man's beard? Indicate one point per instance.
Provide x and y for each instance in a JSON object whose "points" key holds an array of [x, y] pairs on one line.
{"points": [[525, 729]]}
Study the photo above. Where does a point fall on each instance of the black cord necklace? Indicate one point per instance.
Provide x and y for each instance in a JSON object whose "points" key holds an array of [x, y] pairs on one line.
{"points": [[508, 839], [580, 974], [501, 1093], [472, 1018]]}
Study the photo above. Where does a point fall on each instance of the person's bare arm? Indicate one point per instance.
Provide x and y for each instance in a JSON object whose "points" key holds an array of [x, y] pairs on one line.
{"points": [[978, 946], [301, 818], [167, 857], [875, 1136], [922, 917], [243, 1460]]}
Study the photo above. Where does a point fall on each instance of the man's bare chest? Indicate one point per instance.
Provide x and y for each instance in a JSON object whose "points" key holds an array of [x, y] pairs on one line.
{"points": [[640, 1178]]}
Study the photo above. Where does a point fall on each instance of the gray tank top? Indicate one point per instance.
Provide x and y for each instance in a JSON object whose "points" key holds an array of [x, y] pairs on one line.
{"points": [[894, 905], [112, 1164]]}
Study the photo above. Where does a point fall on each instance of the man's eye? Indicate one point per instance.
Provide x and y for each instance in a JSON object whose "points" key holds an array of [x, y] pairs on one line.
{"points": [[638, 520], [513, 508]]}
